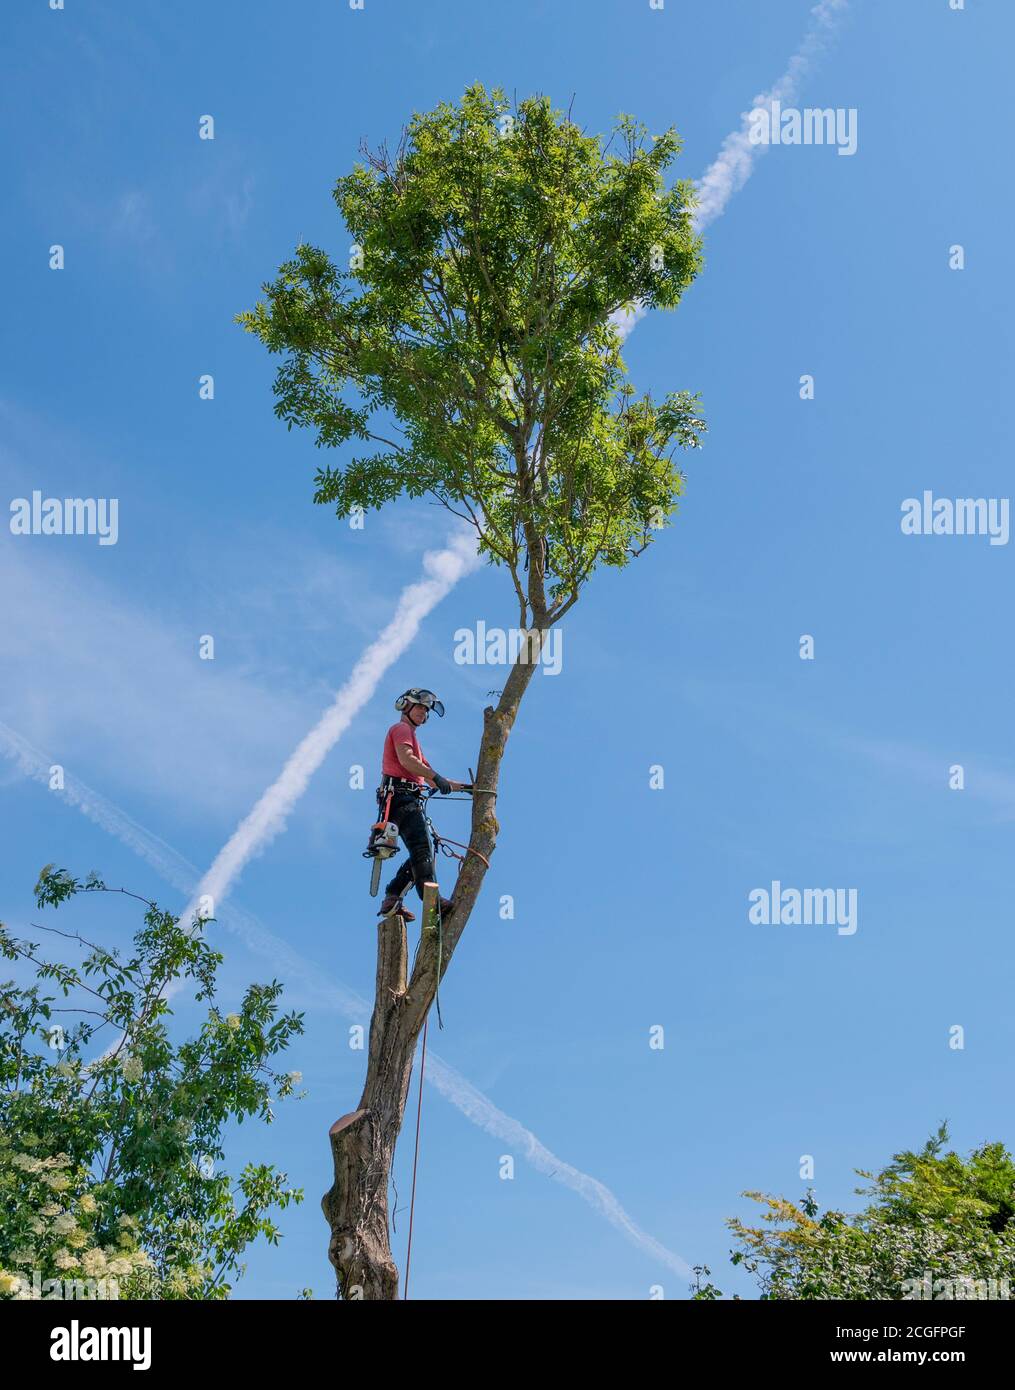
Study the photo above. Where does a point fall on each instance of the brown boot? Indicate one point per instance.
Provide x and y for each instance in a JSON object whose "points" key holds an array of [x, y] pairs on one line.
{"points": [[447, 906], [389, 903]]}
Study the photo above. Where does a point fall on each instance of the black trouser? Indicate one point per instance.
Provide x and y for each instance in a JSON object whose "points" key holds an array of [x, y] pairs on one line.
{"points": [[407, 812]]}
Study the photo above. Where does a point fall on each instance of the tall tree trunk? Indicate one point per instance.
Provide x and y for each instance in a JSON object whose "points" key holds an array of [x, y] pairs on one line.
{"points": [[363, 1142]]}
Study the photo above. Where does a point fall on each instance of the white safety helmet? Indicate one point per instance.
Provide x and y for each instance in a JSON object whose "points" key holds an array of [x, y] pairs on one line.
{"points": [[426, 698]]}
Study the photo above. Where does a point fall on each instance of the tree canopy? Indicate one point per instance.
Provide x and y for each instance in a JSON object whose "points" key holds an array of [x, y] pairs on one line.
{"points": [[473, 345]]}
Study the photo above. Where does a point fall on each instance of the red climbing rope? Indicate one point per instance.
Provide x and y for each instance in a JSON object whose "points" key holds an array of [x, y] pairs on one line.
{"points": [[415, 1160], [442, 841], [441, 844]]}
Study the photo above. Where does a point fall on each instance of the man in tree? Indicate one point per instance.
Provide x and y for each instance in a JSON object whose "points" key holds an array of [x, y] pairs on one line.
{"points": [[469, 352], [404, 774]]}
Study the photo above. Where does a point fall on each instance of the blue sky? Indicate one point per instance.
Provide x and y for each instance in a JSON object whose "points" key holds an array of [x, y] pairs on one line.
{"points": [[631, 903]]}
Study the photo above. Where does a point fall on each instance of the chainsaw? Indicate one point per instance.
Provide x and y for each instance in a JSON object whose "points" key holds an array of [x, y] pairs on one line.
{"points": [[382, 844]]}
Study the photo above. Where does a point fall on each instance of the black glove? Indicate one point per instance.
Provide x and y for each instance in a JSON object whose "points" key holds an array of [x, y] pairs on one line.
{"points": [[441, 783]]}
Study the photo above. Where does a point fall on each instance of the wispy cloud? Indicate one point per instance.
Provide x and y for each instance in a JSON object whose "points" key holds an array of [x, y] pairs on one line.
{"points": [[74, 651], [132, 217], [108, 675], [982, 783], [224, 196], [756, 714], [163, 220]]}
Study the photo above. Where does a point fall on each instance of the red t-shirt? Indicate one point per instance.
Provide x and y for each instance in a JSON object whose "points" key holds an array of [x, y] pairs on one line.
{"points": [[405, 733]]}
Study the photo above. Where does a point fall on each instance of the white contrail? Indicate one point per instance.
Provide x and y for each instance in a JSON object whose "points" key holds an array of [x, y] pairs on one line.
{"points": [[731, 169], [443, 570], [170, 865], [330, 993], [733, 165], [482, 1112]]}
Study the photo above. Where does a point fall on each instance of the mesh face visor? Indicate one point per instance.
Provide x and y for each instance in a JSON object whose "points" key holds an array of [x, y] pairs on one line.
{"points": [[429, 700]]}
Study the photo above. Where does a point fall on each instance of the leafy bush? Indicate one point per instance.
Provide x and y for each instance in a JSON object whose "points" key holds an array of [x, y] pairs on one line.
{"points": [[111, 1133], [938, 1226]]}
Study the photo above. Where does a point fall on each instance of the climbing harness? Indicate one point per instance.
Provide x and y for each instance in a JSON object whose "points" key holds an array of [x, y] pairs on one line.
{"points": [[383, 841]]}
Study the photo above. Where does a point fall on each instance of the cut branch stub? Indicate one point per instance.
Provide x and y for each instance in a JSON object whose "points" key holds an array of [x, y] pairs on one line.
{"points": [[431, 894]]}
